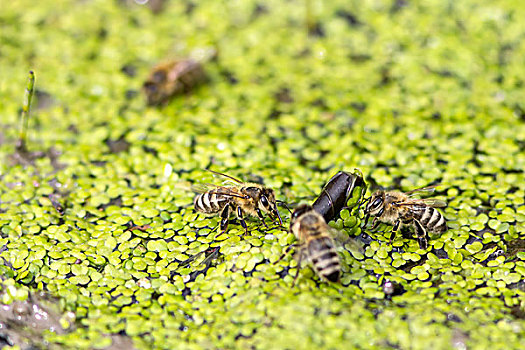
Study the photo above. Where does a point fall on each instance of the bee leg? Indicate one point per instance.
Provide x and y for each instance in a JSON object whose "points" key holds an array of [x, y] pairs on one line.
{"points": [[277, 216], [261, 216], [190, 259], [421, 234], [209, 258], [286, 252], [362, 201], [395, 228], [375, 224], [367, 216], [241, 219], [225, 216]]}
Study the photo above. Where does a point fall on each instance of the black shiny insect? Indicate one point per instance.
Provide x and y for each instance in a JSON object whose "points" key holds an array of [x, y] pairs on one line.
{"points": [[336, 192]]}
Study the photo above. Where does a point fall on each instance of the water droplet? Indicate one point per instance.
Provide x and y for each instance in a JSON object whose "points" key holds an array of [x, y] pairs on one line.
{"points": [[168, 170]]}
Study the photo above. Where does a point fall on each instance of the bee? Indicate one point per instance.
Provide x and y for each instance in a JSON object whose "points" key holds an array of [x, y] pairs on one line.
{"points": [[243, 198], [315, 242], [176, 76], [398, 208], [171, 78]]}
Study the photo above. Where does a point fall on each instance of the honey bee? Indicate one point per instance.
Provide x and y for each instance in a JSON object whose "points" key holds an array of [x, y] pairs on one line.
{"points": [[176, 76], [244, 198], [171, 78], [315, 243], [398, 208]]}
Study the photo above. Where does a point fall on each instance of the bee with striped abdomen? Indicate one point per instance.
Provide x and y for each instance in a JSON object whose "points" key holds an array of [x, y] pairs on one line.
{"points": [[315, 243], [243, 198], [398, 208]]}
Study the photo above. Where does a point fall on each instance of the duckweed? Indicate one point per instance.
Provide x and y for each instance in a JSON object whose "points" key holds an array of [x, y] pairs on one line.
{"points": [[409, 93]]}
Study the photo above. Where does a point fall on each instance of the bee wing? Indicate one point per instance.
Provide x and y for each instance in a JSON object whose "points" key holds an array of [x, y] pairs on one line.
{"points": [[203, 187], [426, 189], [344, 241], [431, 202], [338, 236], [301, 255], [225, 175], [183, 186], [220, 190], [354, 246]]}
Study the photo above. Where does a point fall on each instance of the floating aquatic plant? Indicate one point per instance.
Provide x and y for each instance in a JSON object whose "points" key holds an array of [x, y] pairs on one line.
{"points": [[409, 93]]}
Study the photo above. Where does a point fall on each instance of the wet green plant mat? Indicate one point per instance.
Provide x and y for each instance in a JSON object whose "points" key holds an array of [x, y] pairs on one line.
{"points": [[411, 93]]}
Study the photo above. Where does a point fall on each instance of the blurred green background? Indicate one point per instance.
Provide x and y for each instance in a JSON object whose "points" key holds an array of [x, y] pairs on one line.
{"points": [[409, 92]]}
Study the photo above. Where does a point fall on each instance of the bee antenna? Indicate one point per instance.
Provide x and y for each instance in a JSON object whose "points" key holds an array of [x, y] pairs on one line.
{"points": [[281, 203], [363, 202]]}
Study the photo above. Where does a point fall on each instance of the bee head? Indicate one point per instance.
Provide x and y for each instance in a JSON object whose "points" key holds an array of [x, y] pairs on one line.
{"points": [[300, 210], [375, 204], [268, 203]]}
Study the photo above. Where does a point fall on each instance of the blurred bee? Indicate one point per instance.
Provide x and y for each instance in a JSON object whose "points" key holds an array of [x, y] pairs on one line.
{"points": [[244, 198], [175, 76], [398, 208], [315, 243]]}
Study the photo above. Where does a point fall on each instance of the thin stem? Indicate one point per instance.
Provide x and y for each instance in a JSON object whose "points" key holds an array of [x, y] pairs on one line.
{"points": [[309, 17], [24, 116]]}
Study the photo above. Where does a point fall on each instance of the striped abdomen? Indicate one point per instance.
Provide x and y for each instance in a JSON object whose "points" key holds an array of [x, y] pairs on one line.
{"points": [[324, 258], [431, 218], [211, 202]]}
